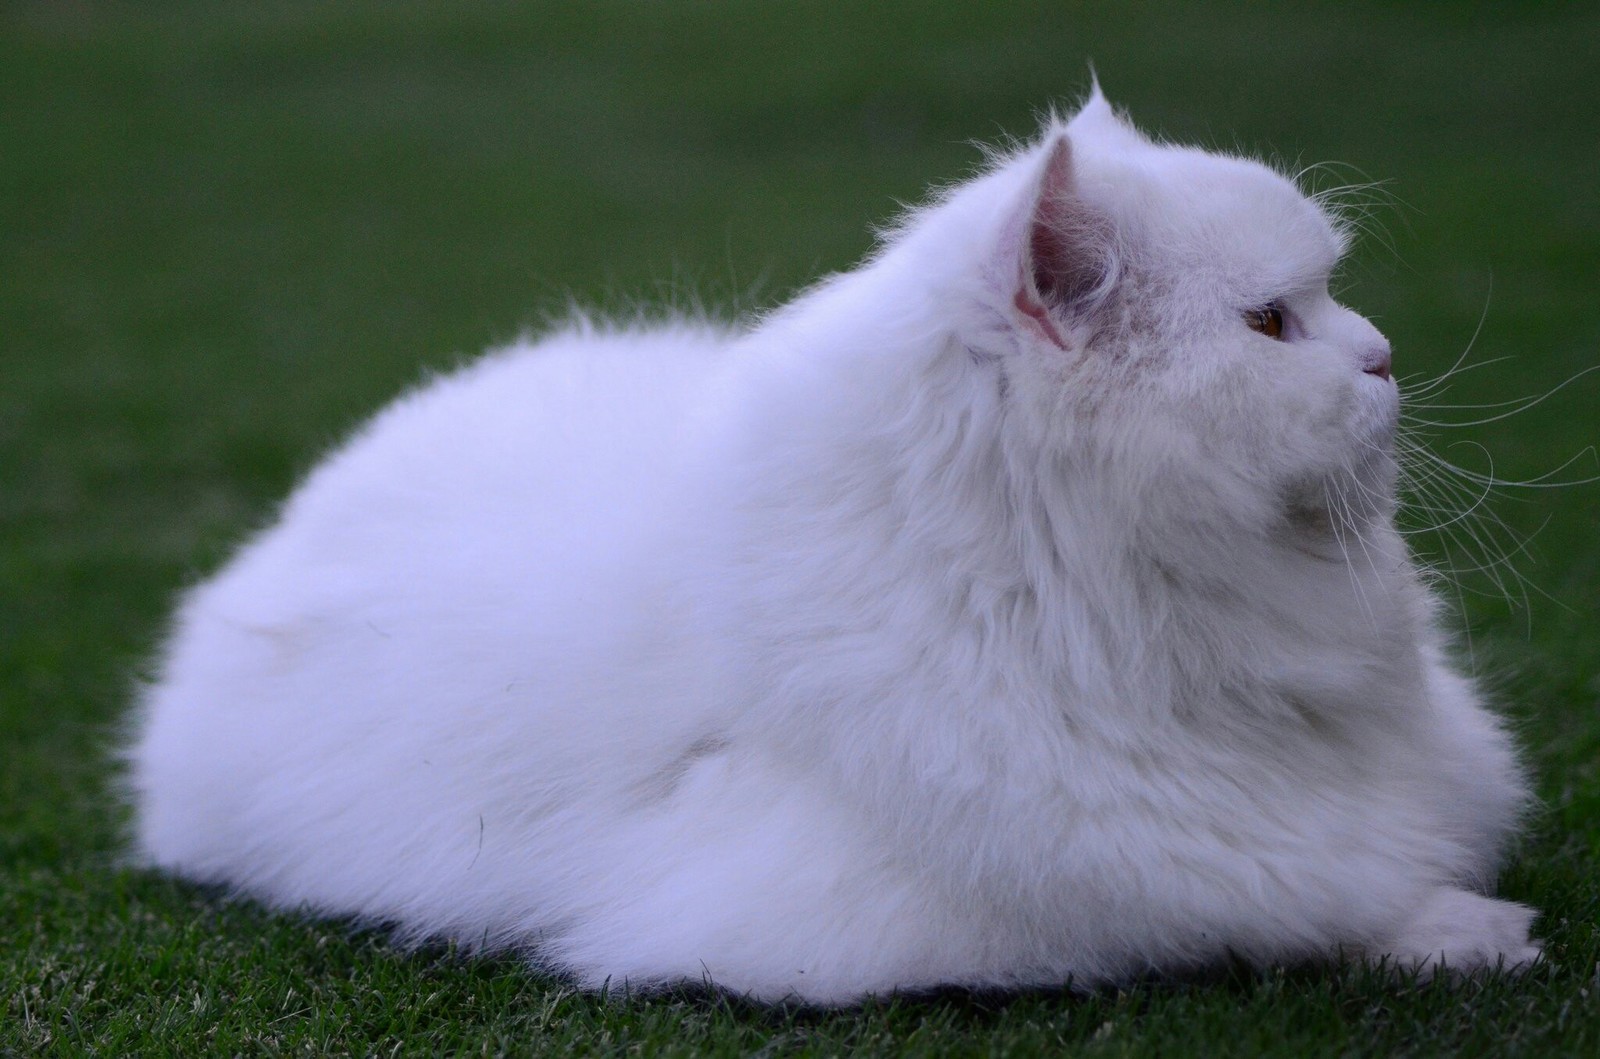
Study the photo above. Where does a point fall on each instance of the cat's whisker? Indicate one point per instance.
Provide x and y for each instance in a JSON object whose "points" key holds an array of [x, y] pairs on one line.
{"points": [[1435, 385], [1338, 521], [1353, 206], [1346, 514], [1510, 584], [1464, 514], [1433, 406], [1451, 503], [1366, 550], [1439, 487], [1542, 481], [1521, 404], [1439, 385]]}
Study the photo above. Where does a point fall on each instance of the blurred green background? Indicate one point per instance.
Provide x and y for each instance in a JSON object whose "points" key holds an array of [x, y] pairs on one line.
{"points": [[227, 232]]}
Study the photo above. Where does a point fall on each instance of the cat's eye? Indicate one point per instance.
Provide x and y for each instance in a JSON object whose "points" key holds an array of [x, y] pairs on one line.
{"points": [[1268, 320]]}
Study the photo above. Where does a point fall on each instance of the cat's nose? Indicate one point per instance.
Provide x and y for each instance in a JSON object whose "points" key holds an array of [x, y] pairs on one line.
{"points": [[1375, 360]]}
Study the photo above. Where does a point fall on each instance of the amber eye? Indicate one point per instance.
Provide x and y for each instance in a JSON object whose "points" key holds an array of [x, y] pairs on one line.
{"points": [[1268, 320]]}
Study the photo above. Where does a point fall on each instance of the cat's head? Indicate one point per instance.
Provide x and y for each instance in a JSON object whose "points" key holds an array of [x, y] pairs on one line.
{"points": [[1167, 311]]}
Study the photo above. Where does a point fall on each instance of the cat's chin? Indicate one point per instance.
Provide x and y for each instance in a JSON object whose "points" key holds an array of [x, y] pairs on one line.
{"points": [[1312, 527]]}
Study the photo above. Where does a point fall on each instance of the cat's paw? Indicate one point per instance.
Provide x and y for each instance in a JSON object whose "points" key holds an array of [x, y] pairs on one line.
{"points": [[1462, 932]]}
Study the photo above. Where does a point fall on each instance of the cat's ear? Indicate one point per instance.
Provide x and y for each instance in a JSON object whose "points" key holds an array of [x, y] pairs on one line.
{"points": [[1097, 121], [1064, 262]]}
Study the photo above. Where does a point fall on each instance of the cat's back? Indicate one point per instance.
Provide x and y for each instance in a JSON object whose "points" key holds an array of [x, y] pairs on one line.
{"points": [[501, 476], [525, 448], [574, 409]]}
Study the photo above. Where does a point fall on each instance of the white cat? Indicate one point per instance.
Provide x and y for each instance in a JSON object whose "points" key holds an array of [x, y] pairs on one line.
{"points": [[1022, 607]]}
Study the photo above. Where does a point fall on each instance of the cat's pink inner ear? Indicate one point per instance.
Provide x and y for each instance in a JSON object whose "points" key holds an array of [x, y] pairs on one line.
{"points": [[1049, 252], [1062, 264]]}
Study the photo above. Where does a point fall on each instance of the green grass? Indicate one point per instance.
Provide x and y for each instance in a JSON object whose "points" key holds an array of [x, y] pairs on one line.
{"points": [[227, 232]]}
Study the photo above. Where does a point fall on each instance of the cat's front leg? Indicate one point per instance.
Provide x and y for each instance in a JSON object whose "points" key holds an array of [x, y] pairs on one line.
{"points": [[1460, 931]]}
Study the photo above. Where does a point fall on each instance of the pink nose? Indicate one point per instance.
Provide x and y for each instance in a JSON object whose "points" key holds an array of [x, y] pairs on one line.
{"points": [[1376, 361]]}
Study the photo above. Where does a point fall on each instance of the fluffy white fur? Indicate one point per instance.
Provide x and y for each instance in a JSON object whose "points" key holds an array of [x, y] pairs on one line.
{"points": [[1003, 612]]}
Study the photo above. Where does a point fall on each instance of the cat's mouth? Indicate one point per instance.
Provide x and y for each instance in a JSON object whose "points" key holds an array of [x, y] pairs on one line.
{"points": [[1378, 415]]}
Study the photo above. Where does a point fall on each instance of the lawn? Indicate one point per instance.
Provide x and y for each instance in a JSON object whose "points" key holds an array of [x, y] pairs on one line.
{"points": [[227, 232]]}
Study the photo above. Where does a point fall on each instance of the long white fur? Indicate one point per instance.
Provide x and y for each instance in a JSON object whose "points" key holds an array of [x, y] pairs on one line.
{"points": [[909, 636]]}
